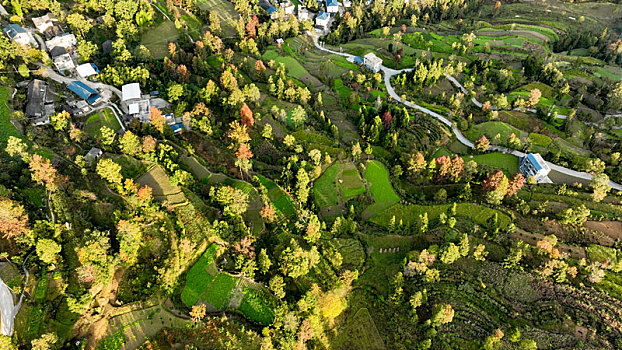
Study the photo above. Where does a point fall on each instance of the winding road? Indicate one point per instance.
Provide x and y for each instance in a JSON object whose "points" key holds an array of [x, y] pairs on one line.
{"points": [[389, 73]]}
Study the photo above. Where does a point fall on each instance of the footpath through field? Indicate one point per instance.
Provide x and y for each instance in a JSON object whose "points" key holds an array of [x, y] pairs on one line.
{"points": [[389, 73]]}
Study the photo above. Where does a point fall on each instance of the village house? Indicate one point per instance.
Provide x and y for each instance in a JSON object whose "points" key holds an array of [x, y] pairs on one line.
{"points": [[322, 20], [86, 70], [94, 154], [534, 165], [86, 92], [64, 62], [288, 7], [66, 41], [19, 35], [304, 13], [48, 25], [332, 6], [40, 104], [372, 62], [138, 106]]}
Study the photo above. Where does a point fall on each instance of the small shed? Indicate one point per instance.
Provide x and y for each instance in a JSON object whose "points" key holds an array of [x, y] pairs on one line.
{"points": [[131, 91], [86, 70]]}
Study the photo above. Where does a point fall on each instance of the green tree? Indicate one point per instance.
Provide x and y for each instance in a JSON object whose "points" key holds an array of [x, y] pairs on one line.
{"points": [[107, 135], [263, 261], [450, 253], [174, 92], [277, 286], [130, 237], [45, 342], [600, 186], [130, 144], [574, 216], [234, 201], [302, 186], [441, 314], [47, 250], [109, 171]]}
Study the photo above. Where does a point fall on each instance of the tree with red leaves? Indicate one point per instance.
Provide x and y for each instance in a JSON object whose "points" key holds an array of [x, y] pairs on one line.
{"points": [[247, 116], [495, 187], [43, 172], [443, 167], [482, 144], [156, 119], [387, 120], [13, 218], [182, 73], [516, 184]]}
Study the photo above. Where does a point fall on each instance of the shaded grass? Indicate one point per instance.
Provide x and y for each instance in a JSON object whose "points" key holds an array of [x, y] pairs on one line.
{"points": [[255, 308], [324, 189], [377, 177], [6, 128], [156, 39], [497, 160], [95, 122], [218, 292]]}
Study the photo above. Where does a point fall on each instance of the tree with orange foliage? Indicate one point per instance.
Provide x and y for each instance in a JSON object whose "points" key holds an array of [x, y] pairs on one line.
{"points": [[182, 73], [149, 144], [13, 219], [157, 119], [515, 185], [43, 172], [247, 116], [482, 144], [268, 213]]}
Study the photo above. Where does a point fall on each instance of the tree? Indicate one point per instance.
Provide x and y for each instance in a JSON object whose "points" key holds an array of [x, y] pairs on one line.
{"points": [[302, 186], [268, 213], [482, 144], [107, 135], [312, 234], [440, 195], [130, 237], [156, 119], [234, 201], [299, 116], [277, 286], [130, 144], [450, 253], [600, 186], [60, 121], [415, 164], [615, 97], [45, 342], [17, 147], [149, 144], [247, 116], [13, 219], [534, 97], [47, 250], [198, 312], [174, 92], [496, 8], [266, 133], [79, 23], [574, 216], [238, 134], [515, 184], [44, 173], [109, 171], [495, 187], [441, 314], [295, 261], [263, 260], [86, 50]]}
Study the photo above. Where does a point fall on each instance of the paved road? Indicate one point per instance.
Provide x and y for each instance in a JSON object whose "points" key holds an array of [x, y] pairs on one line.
{"points": [[389, 72]]}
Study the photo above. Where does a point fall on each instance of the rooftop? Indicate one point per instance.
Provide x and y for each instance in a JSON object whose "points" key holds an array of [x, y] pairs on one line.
{"points": [[537, 161], [86, 70], [332, 3], [84, 91], [131, 91], [322, 15], [12, 30]]}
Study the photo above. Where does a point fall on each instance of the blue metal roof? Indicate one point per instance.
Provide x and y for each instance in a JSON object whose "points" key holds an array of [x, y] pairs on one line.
{"points": [[322, 15], [358, 60], [332, 3], [12, 30], [271, 9], [84, 91], [534, 161], [177, 127]]}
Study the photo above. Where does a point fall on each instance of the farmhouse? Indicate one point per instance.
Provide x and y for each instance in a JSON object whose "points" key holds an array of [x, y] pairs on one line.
{"points": [[85, 92], [86, 70], [534, 165], [40, 105], [48, 25], [3, 11], [304, 13], [288, 7], [64, 62], [66, 41], [272, 12], [372, 62], [332, 6], [93, 154], [18, 34], [322, 20]]}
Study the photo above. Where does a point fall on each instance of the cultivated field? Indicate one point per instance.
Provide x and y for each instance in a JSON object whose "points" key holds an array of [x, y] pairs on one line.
{"points": [[156, 39], [157, 179], [95, 122]]}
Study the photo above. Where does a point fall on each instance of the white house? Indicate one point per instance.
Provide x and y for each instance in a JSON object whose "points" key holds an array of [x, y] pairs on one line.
{"points": [[322, 20], [304, 13], [64, 62], [332, 6], [47, 24], [288, 7], [534, 165], [66, 41], [347, 3], [372, 62], [86, 70], [18, 34], [130, 91]]}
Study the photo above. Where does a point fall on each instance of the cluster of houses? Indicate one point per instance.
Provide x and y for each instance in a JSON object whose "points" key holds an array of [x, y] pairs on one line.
{"points": [[138, 106], [323, 19]]}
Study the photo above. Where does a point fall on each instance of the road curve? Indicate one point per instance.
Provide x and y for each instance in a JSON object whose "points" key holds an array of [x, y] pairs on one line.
{"points": [[389, 72]]}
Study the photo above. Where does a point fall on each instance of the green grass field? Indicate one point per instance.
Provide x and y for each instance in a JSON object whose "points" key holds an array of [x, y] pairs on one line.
{"points": [[156, 39], [281, 201], [197, 278], [352, 184], [6, 128], [324, 189], [255, 308], [497, 160], [218, 292], [157, 179], [490, 129], [292, 66], [540, 140], [104, 117], [409, 214], [377, 177]]}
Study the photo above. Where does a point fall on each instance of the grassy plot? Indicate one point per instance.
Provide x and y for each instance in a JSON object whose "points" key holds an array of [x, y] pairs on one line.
{"points": [[281, 201], [409, 214], [156, 39], [497, 160], [6, 128], [377, 177], [163, 190], [217, 294], [358, 332], [225, 11], [292, 67], [351, 184], [324, 188], [255, 308], [490, 129], [104, 117], [198, 278]]}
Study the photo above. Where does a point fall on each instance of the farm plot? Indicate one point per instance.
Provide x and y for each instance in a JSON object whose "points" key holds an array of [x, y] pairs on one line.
{"points": [[6, 128], [157, 179], [281, 201], [377, 177], [292, 66], [225, 11], [502, 161], [157, 38], [359, 332], [409, 214], [339, 183], [255, 308], [324, 188], [199, 277], [104, 117]]}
